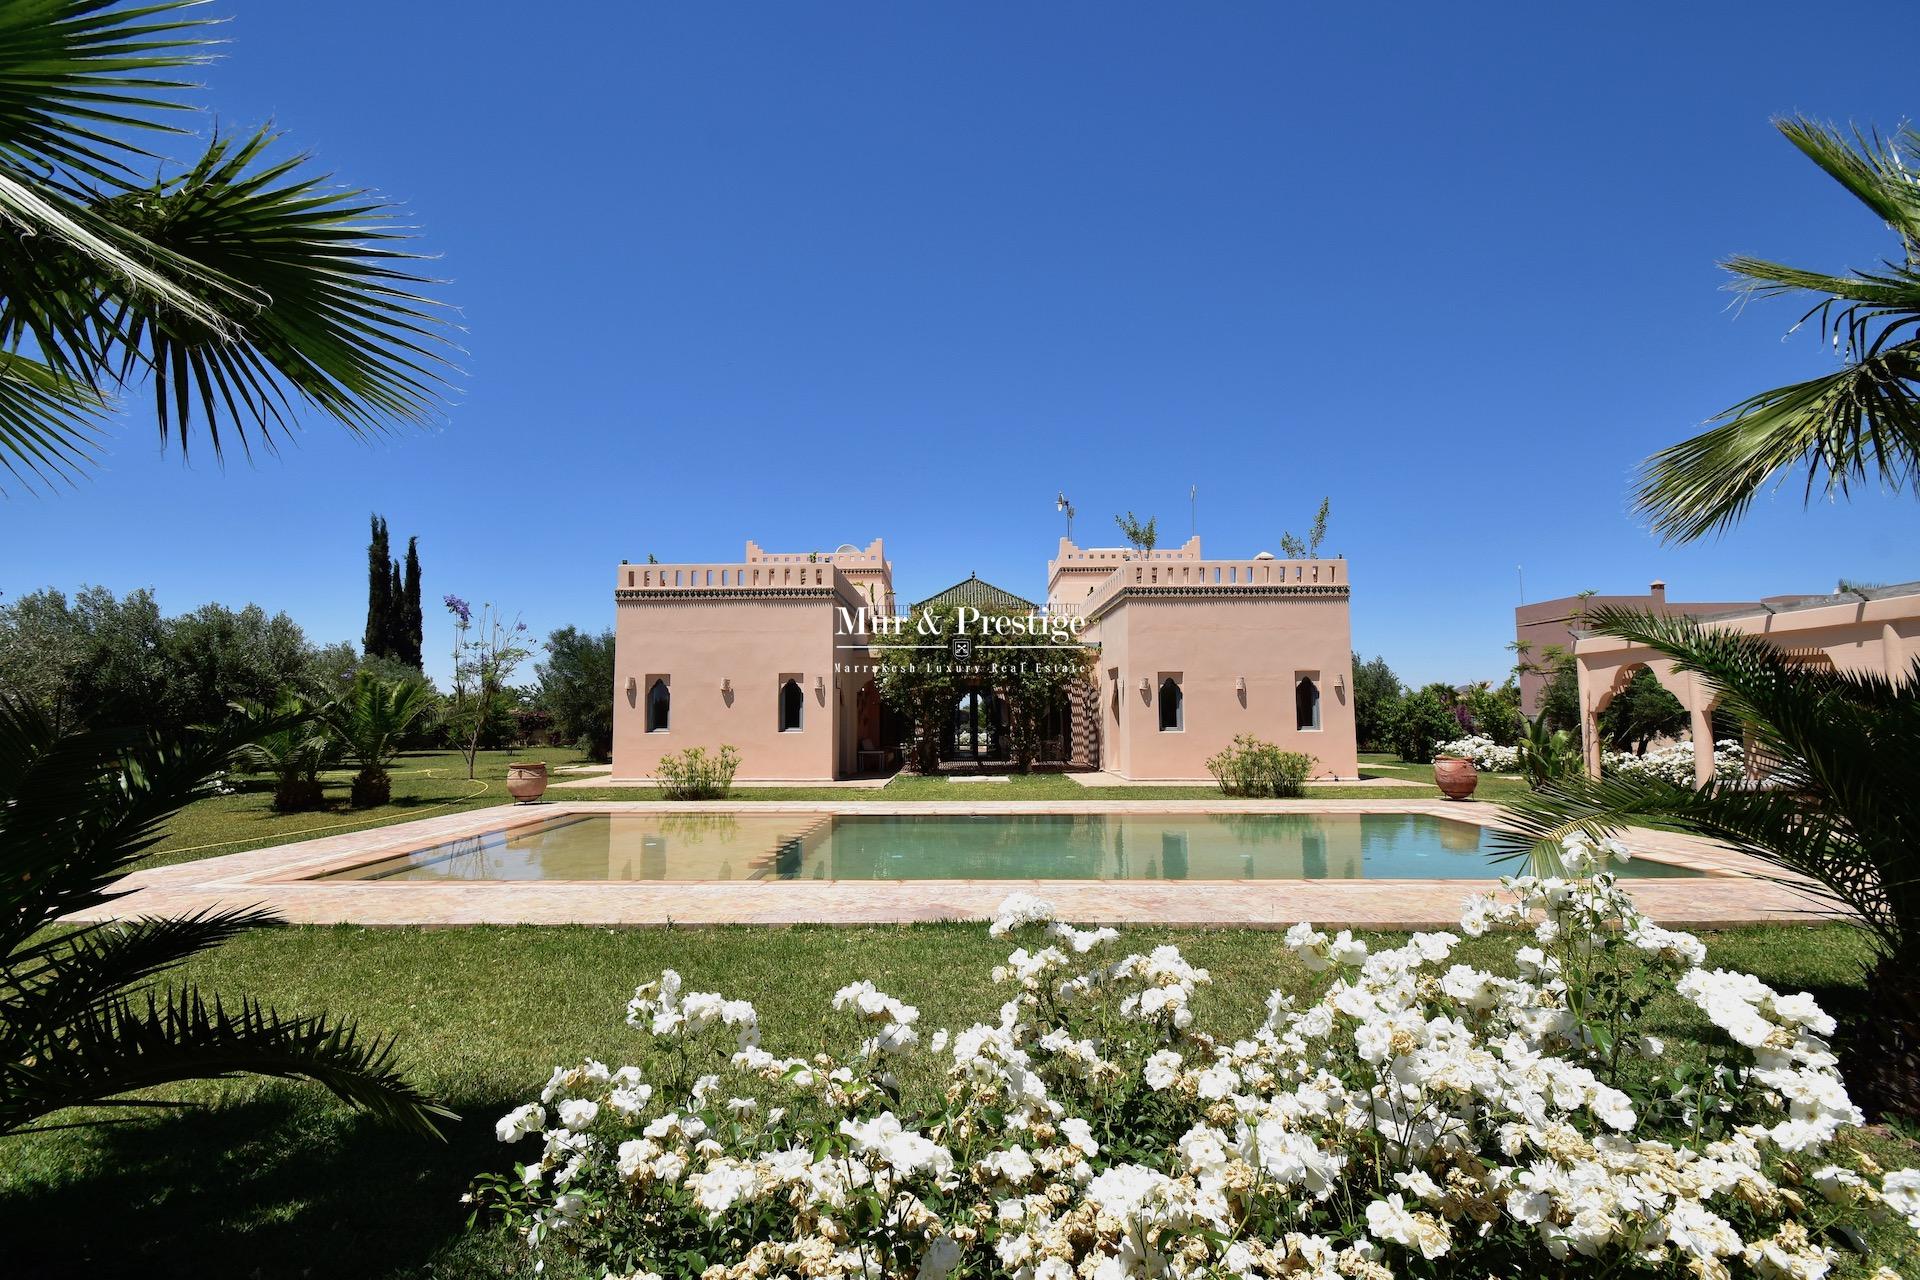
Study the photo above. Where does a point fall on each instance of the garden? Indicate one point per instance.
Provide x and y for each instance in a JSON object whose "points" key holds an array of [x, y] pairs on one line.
{"points": [[1555, 1085]]}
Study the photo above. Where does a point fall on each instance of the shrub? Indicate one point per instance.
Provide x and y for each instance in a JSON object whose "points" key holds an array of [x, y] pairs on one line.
{"points": [[1251, 767], [1511, 1121], [1495, 712], [694, 775], [1376, 697], [1423, 720]]}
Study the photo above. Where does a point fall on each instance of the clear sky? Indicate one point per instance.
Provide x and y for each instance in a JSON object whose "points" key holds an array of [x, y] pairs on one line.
{"points": [[816, 273]]}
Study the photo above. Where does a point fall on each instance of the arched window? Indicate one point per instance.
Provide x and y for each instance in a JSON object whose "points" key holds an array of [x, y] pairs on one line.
{"points": [[1172, 714], [659, 706], [793, 703], [1306, 704]]}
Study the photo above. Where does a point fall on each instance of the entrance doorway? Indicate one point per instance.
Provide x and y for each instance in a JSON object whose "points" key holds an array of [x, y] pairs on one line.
{"points": [[977, 730]]}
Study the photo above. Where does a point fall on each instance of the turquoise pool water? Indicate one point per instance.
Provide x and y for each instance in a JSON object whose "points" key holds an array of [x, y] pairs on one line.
{"points": [[1103, 846]]}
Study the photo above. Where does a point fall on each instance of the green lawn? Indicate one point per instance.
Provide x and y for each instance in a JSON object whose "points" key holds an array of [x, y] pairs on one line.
{"points": [[430, 783], [424, 784], [279, 1180]]}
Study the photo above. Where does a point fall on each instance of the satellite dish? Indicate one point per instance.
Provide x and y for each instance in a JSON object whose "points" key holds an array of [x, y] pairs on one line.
{"points": [[1265, 555], [845, 546]]}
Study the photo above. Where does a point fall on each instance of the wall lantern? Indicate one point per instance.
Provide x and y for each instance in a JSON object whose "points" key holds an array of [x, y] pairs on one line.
{"points": [[1240, 684], [1340, 681], [820, 685], [1146, 685], [726, 685], [633, 685]]}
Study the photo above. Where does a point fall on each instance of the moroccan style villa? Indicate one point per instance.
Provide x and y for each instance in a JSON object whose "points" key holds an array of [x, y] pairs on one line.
{"points": [[770, 655]]}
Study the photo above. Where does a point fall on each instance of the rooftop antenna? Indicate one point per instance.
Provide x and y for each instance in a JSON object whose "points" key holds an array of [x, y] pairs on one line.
{"points": [[1065, 508], [1521, 570], [1193, 510]]}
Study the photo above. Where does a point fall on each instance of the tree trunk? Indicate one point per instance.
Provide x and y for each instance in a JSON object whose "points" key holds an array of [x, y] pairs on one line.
{"points": [[371, 786], [1879, 1038]]}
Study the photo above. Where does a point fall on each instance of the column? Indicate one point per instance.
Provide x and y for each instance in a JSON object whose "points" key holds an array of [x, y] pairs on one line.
{"points": [[1702, 744]]}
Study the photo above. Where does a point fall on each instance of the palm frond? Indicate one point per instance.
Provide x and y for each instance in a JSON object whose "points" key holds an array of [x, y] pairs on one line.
{"points": [[1838, 819], [1858, 422], [48, 421], [75, 808], [79, 78], [1870, 167], [52, 981], [108, 1053], [319, 306]]}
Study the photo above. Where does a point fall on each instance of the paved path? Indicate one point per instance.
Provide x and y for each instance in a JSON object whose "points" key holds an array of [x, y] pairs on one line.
{"points": [[280, 878]]}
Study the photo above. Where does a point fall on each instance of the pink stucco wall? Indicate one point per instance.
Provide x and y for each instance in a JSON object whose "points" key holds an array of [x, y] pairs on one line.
{"points": [[1210, 646]]}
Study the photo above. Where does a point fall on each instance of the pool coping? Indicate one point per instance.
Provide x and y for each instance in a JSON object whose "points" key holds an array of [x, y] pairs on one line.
{"points": [[280, 878]]}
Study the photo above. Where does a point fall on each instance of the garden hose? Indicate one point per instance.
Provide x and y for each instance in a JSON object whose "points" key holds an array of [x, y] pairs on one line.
{"points": [[288, 836]]}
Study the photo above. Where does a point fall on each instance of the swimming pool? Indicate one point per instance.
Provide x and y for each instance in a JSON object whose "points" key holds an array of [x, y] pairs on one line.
{"points": [[722, 847]]}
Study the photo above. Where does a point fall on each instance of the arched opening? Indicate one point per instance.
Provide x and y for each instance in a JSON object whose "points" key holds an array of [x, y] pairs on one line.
{"points": [[1172, 706], [1306, 703], [793, 706], [659, 706], [1638, 710]]}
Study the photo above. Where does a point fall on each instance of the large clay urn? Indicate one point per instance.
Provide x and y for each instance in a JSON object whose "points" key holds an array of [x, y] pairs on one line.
{"points": [[527, 780], [1455, 777]]}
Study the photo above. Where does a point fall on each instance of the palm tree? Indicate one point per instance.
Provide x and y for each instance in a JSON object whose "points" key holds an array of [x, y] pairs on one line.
{"points": [[1859, 422], [82, 1022], [1547, 755], [372, 718], [294, 745], [1840, 818], [240, 287]]}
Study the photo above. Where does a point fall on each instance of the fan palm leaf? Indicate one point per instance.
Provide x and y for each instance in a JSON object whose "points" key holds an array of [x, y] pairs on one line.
{"points": [[1858, 423], [82, 1021], [243, 290], [130, 1045]]}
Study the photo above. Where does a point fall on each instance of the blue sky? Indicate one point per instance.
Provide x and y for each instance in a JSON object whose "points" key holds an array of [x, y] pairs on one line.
{"points": [[817, 273]]}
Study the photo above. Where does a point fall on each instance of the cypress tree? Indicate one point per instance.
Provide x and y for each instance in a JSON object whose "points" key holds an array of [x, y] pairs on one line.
{"points": [[373, 641], [396, 614], [414, 647]]}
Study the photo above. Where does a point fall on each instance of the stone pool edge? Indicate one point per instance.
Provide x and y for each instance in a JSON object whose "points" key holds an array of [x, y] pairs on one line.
{"points": [[279, 878]]}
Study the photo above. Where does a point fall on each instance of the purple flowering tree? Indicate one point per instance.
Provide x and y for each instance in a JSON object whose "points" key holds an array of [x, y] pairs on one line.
{"points": [[486, 651]]}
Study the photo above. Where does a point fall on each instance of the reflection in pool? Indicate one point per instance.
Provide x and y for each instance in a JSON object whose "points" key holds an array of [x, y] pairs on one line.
{"points": [[1095, 846]]}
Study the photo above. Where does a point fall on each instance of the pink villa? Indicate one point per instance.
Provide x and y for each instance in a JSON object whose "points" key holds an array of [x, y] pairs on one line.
{"points": [[758, 654]]}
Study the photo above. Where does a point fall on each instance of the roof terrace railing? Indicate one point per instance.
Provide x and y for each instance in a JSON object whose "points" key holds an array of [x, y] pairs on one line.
{"points": [[1212, 575]]}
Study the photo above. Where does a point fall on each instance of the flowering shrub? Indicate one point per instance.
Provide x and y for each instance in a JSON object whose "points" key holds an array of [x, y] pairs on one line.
{"points": [[694, 775], [1517, 1122], [1487, 755], [1675, 763]]}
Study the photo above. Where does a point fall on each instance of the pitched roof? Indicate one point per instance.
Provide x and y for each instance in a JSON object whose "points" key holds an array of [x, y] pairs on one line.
{"points": [[983, 596]]}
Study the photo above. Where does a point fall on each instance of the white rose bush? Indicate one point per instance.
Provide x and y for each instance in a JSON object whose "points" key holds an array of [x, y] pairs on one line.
{"points": [[1421, 1117], [1483, 752], [1674, 763]]}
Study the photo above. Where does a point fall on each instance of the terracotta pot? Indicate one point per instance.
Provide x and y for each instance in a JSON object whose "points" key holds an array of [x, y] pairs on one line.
{"points": [[527, 780], [1455, 777]]}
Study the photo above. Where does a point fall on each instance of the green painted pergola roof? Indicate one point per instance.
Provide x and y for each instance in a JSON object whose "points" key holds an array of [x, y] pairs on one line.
{"points": [[983, 596]]}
